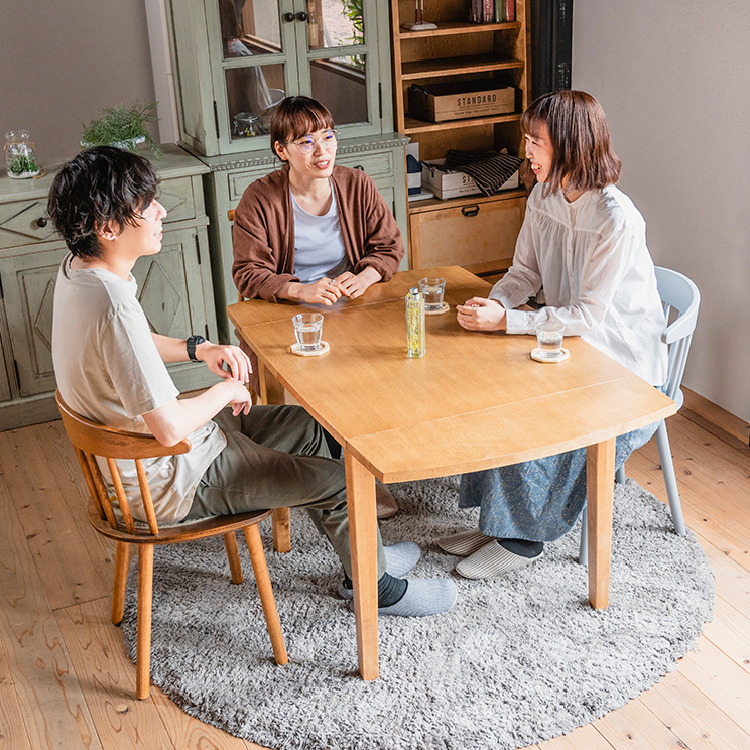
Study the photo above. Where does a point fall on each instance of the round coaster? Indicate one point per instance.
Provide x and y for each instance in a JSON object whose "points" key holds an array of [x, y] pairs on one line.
{"points": [[444, 308], [324, 349], [537, 357]]}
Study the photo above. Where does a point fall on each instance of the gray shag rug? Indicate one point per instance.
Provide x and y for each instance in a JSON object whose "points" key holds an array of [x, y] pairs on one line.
{"points": [[518, 660]]}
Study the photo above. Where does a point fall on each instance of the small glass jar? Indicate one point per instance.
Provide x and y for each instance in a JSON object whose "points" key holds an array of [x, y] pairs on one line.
{"points": [[20, 159], [246, 124]]}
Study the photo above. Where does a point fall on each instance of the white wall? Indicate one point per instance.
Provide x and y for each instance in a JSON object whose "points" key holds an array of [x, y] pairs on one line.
{"points": [[62, 62], [673, 77]]}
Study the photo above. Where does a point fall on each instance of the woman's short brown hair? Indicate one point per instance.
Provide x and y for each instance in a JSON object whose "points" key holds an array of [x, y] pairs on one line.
{"points": [[297, 116], [582, 156]]}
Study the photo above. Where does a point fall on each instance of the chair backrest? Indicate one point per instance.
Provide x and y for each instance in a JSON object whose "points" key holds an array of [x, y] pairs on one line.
{"points": [[91, 439], [679, 293]]}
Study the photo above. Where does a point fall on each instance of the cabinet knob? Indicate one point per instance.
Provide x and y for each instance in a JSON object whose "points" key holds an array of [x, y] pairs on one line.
{"points": [[302, 16], [288, 17], [41, 222], [470, 210]]}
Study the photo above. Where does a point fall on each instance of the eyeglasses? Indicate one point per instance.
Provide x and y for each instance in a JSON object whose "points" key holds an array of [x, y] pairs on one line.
{"points": [[308, 143]]}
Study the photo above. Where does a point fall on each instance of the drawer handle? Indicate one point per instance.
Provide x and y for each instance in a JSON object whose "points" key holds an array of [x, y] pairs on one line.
{"points": [[359, 166], [41, 222], [470, 210]]}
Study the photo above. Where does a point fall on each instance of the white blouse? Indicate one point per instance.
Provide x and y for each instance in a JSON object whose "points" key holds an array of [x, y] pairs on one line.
{"points": [[598, 277]]}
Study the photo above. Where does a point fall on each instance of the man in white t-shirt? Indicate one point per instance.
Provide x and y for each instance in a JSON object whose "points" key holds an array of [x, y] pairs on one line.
{"points": [[110, 367]]}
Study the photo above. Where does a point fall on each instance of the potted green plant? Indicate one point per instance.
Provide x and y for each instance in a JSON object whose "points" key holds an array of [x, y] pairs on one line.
{"points": [[124, 128]]}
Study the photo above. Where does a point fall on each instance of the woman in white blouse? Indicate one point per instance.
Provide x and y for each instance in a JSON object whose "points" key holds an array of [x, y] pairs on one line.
{"points": [[584, 242]]}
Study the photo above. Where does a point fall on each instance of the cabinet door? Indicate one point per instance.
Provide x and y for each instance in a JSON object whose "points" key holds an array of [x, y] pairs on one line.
{"points": [[338, 61], [479, 236], [28, 285], [170, 285], [174, 289]]}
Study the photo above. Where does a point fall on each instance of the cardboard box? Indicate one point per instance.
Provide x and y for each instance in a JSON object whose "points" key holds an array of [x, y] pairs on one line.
{"points": [[454, 184], [440, 102]]}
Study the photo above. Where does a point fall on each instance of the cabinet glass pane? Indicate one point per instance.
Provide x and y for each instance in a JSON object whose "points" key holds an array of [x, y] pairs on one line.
{"points": [[252, 93], [334, 23], [250, 27], [341, 84]]}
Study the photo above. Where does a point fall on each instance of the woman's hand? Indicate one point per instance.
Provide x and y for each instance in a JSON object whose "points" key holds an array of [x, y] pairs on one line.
{"points": [[354, 286], [481, 314], [323, 291], [218, 355]]}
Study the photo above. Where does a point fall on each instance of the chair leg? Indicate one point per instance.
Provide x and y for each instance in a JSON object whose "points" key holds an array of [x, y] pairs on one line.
{"points": [[620, 475], [262, 580], [143, 643], [235, 566], [583, 552], [122, 559], [282, 541], [670, 482]]}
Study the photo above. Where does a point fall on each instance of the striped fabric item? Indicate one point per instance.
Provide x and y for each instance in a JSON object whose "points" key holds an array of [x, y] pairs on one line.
{"points": [[489, 169]]}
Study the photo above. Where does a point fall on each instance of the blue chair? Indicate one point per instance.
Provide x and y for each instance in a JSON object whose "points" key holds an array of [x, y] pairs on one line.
{"points": [[679, 294]]}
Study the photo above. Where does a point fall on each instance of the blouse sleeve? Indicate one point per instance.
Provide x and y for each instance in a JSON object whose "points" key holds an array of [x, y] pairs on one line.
{"points": [[523, 279], [599, 279]]}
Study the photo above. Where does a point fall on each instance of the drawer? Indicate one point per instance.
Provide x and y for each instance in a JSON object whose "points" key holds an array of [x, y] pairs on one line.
{"points": [[25, 222], [176, 195], [482, 234], [376, 165]]}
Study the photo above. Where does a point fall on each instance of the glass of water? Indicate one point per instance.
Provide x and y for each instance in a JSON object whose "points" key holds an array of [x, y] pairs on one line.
{"points": [[549, 338], [433, 291], [308, 330]]}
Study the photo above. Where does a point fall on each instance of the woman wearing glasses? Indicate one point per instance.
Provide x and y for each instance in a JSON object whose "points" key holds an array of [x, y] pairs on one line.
{"points": [[312, 231]]}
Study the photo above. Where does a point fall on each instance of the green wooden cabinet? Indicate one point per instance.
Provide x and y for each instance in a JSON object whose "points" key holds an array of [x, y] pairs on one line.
{"points": [[234, 60], [174, 287]]}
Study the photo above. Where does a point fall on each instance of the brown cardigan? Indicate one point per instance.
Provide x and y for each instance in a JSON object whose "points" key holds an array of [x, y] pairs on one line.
{"points": [[264, 235], [264, 231]]}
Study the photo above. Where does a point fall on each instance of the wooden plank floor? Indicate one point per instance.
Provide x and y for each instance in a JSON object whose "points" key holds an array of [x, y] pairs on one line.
{"points": [[65, 681]]}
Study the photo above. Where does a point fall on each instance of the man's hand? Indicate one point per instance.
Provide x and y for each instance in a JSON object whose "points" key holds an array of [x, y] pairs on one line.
{"points": [[216, 356], [240, 398], [481, 314], [354, 286]]}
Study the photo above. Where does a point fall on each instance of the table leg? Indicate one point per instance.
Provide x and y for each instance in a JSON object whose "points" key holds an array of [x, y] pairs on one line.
{"points": [[272, 392], [600, 474], [360, 487]]}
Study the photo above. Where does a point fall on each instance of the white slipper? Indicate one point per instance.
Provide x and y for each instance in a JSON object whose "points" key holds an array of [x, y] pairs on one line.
{"points": [[492, 560], [399, 558], [465, 542]]}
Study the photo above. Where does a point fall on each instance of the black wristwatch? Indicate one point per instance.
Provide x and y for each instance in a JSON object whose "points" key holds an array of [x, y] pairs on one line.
{"points": [[192, 343]]}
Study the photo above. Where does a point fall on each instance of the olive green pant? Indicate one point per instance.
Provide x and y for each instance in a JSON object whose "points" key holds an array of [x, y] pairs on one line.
{"points": [[278, 457]]}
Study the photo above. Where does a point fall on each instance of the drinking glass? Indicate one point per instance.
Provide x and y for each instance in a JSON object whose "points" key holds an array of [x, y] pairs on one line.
{"points": [[308, 330], [549, 338], [433, 290]]}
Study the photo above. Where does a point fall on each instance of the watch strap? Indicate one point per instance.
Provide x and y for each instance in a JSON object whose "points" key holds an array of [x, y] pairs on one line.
{"points": [[192, 343]]}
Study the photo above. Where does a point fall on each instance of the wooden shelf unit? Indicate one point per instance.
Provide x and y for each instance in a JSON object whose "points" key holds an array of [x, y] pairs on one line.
{"points": [[455, 51]]}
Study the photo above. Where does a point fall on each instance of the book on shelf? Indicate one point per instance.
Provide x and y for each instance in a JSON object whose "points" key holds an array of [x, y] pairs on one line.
{"points": [[488, 11], [476, 11], [510, 10], [499, 11]]}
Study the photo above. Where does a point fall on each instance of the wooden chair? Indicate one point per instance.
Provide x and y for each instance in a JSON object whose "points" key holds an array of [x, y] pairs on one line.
{"points": [[91, 439]]}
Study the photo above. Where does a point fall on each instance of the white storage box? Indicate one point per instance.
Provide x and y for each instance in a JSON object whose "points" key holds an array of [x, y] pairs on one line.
{"points": [[454, 184]]}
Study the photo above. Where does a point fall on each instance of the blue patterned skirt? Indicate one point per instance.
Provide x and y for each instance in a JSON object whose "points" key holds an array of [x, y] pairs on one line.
{"points": [[538, 500]]}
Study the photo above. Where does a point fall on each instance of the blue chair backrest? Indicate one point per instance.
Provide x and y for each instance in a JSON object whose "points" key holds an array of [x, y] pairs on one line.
{"points": [[677, 292]]}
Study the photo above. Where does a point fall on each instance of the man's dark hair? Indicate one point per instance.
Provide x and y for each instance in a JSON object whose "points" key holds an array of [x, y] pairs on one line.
{"points": [[102, 187]]}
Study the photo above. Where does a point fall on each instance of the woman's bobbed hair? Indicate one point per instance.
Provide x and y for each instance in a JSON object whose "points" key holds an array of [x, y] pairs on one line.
{"points": [[582, 156], [296, 116]]}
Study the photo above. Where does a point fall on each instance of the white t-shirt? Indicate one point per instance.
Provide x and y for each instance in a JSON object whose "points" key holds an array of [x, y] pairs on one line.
{"points": [[598, 277], [108, 369], [318, 247]]}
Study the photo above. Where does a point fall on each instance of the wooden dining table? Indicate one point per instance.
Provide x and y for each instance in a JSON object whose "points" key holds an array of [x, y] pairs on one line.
{"points": [[474, 401]]}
